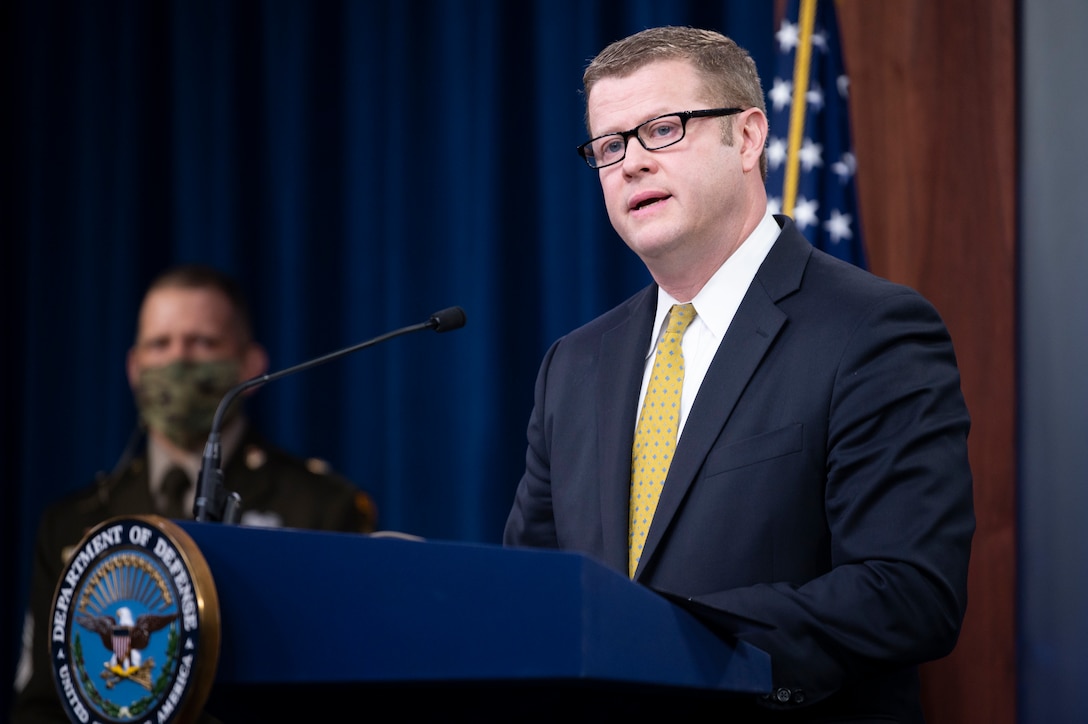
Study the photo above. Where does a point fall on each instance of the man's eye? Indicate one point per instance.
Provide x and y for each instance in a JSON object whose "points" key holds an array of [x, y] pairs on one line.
{"points": [[664, 130], [612, 146]]}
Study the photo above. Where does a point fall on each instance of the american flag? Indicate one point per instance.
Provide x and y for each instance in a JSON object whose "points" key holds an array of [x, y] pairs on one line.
{"points": [[811, 164]]}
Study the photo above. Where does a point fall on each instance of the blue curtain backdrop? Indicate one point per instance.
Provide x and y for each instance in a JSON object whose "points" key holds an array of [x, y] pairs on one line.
{"points": [[358, 166]]}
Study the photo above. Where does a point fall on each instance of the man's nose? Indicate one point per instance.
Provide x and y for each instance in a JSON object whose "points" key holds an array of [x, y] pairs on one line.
{"points": [[635, 156]]}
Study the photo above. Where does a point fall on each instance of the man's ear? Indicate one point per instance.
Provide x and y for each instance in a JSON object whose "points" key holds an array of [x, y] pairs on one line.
{"points": [[132, 368], [753, 138], [255, 362]]}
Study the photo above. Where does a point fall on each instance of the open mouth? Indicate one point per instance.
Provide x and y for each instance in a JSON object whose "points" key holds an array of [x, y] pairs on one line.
{"points": [[647, 202]]}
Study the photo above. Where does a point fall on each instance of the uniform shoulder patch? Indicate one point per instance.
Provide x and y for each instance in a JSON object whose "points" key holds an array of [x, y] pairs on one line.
{"points": [[318, 466]]}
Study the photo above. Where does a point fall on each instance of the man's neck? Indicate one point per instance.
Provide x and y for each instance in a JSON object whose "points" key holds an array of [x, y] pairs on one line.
{"points": [[684, 275], [230, 437]]}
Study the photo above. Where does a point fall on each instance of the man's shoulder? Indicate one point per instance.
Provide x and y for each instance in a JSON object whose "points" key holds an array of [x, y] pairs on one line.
{"points": [[96, 499], [259, 457], [299, 492], [793, 257], [264, 471], [64, 522]]}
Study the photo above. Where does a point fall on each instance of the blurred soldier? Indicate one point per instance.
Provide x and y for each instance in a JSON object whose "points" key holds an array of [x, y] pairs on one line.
{"points": [[194, 342]]}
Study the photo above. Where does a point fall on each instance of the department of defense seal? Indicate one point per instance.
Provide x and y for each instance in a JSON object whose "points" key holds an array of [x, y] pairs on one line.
{"points": [[134, 632]]}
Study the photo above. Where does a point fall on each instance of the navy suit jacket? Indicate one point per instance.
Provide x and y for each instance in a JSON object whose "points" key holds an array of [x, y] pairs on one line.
{"points": [[819, 503]]}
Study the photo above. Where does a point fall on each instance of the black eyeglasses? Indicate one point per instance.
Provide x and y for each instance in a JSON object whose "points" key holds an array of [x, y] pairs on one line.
{"points": [[654, 135]]}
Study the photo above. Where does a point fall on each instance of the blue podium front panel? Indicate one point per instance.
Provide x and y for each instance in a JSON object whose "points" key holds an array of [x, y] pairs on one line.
{"points": [[306, 607]]}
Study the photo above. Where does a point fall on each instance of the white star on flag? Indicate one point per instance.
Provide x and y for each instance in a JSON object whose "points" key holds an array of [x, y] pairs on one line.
{"points": [[810, 170]]}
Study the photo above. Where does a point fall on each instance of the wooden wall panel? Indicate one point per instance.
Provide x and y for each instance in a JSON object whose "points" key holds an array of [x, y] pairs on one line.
{"points": [[933, 104]]}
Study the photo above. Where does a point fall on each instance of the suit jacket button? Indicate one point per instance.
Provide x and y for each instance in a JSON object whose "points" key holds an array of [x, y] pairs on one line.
{"points": [[782, 695], [798, 696]]}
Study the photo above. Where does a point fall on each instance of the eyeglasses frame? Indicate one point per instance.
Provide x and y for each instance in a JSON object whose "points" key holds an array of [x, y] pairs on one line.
{"points": [[684, 116]]}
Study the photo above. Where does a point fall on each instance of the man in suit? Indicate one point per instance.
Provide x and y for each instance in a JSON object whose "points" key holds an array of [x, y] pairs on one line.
{"points": [[194, 342], [818, 504]]}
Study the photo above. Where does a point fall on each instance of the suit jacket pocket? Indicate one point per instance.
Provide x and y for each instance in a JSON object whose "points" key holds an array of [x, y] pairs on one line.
{"points": [[769, 445]]}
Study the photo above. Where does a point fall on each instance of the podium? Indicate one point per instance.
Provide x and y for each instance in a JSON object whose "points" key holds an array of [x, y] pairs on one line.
{"points": [[317, 624]]}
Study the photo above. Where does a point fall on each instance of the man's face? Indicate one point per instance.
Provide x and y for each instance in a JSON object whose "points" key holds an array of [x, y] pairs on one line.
{"points": [[189, 353], [679, 201], [191, 324], [196, 325]]}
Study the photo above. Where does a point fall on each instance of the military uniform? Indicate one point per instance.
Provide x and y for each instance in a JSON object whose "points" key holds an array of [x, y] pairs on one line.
{"points": [[276, 489]]}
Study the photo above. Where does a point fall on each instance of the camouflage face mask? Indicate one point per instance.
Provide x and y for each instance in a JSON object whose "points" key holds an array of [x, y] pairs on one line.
{"points": [[179, 399]]}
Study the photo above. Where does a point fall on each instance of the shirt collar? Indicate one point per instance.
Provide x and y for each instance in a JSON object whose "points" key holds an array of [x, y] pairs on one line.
{"points": [[718, 300], [159, 460]]}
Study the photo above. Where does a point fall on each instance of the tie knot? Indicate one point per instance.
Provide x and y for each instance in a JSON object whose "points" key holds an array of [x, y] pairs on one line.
{"points": [[680, 316]]}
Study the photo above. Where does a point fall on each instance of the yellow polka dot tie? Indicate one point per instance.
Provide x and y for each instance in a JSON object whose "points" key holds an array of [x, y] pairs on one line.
{"points": [[655, 436]]}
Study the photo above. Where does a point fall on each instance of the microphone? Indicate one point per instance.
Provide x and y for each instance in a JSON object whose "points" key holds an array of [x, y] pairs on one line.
{"points": [[213, 502]]}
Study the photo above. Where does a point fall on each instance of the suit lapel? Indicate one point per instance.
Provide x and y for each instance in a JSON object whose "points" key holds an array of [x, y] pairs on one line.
{"points": [[754, 328], [620, 367]]}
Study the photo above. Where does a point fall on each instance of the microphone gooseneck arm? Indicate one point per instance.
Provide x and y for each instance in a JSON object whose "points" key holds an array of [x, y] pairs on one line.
{"points": [[213, 502]]}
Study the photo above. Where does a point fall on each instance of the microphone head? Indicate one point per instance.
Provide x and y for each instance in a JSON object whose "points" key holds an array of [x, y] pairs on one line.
{"points": [[447, 319]]}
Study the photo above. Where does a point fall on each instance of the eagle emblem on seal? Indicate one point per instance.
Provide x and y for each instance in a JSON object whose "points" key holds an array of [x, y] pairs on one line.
{"points": [[126, 637]]}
